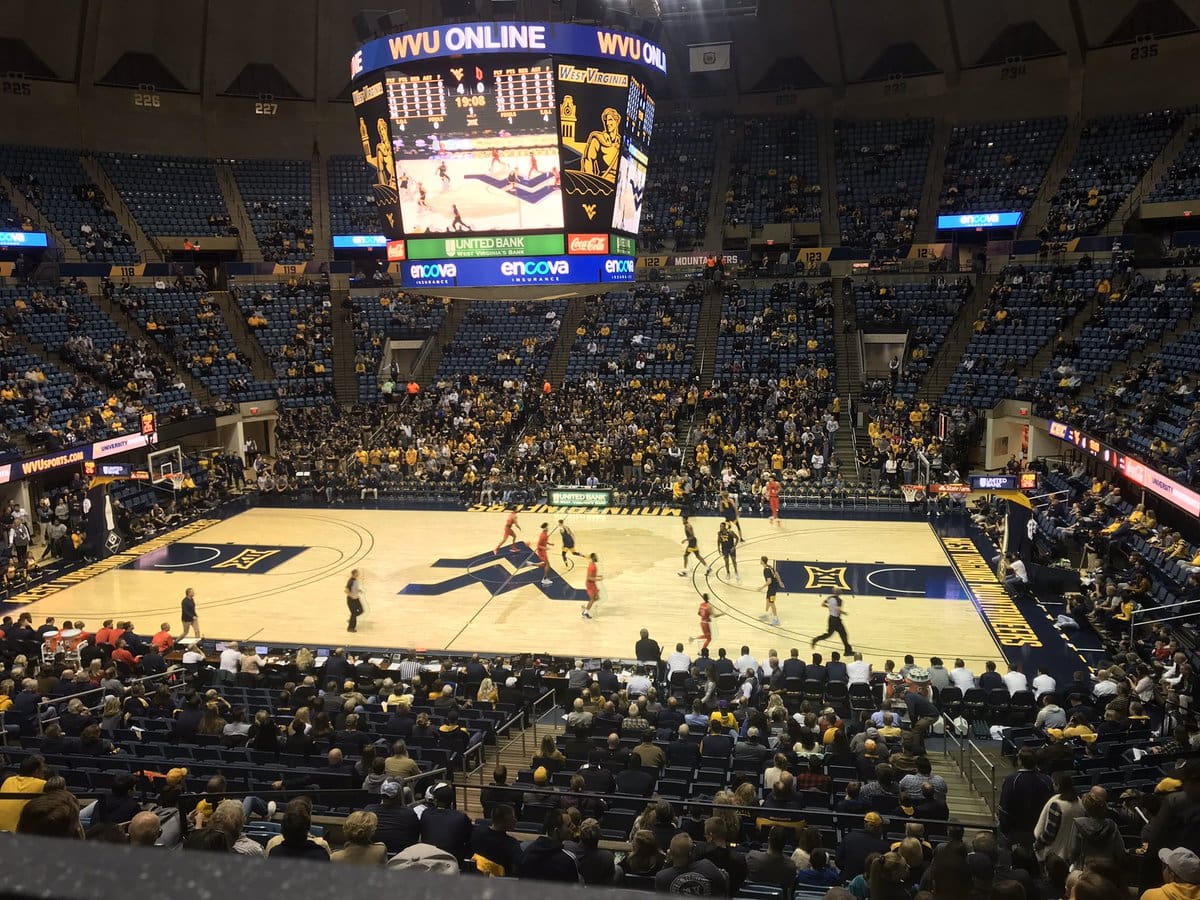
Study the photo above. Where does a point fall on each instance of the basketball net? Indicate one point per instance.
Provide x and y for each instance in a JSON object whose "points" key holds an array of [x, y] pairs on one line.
{"points": [[913, 493]]}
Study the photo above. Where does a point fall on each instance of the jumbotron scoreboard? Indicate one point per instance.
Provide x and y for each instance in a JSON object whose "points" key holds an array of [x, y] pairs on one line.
{"points": [[508, 154]]}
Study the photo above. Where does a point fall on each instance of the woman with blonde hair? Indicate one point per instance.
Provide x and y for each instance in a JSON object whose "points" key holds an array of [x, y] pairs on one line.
{"points": [[361, 848], [211, 722], [547, 750], [725, 808], [488, 693], [110, 716], [645, 858], [304, 659]]}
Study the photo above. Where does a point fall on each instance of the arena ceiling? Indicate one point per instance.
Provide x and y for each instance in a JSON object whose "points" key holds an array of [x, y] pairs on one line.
{"points": [[299, 49]]}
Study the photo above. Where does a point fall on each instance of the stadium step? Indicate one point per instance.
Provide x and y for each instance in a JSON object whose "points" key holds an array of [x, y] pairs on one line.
{"points": [[849, 380], [247, 344], [556, 367], [146, 247], [345, 380], [1036, 217], [831, 232], [1116, 374], [117, 313], [938, 376], [714, 235], [25, 208], [430, 357], [322, 234], [1158, 168], [934, 173], [705, 354], [251, 251], [1032, 369], [967, 804]]}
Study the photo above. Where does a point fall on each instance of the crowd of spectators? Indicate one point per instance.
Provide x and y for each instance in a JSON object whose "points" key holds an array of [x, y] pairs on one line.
{"points": [[713, 773], [1114, 153], [774, 174], [998, 165], [880, 170], [679, 184], [292, 322]]}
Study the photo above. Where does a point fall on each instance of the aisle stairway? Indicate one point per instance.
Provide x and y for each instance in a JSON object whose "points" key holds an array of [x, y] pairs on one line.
{"points": [[149, 250], [1158, 168], [1035, 218], [556, 368], [127, 323], [704, 357], [243, 338], [966, 804], [849, 380], [251, 251], [431, 357], [1120, 368], [345, 381], [935, 173], [40, 222], [937, 378], [1032, 369]]}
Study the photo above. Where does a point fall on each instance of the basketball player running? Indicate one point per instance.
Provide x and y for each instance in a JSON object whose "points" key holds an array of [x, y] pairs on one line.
{"points": [[354, 600], [444, 175], [533, 167], [771, 584], [689, 539], [729, 510], [510, 529], [771, 492], [421, 197], [728, 542], [590, 583], [707, 614], [496, 159], [543, 553], [568, 541], [187, 614], [837, 609]]}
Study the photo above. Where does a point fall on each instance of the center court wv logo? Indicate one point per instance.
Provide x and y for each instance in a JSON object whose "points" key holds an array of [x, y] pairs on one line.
{"points": [[513, 568]]}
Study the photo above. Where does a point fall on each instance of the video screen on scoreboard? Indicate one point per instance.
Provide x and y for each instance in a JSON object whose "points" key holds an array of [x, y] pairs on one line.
{"points": [[475, 146]]}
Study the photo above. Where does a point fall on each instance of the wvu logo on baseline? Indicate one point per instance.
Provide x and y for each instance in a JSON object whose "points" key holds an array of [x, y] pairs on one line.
{"points": [[513, 568]]}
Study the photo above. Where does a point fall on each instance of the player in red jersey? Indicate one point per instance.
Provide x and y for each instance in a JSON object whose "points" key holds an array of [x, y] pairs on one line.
{"points": [[543, 553], [533, 166], [590, 584], [771, 492], [707, 614], [496, 159], [510, 529]]}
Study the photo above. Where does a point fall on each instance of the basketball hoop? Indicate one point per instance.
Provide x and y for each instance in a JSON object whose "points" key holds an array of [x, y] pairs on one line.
{"points": [[913, 493], [176, 482]]}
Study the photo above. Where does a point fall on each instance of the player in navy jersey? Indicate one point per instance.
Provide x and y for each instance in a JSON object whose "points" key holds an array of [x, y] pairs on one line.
{"points": [[771, 584]]}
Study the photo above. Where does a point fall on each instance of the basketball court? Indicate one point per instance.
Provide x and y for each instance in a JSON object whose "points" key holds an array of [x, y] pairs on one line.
{"points": [[432, 581]]}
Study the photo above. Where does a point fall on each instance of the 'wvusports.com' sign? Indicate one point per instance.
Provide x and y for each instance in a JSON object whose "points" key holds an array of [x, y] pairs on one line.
{"points": [[507, 37]]}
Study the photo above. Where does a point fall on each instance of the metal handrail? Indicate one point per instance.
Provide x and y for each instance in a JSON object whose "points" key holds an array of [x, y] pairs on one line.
{"points": [[56, 701], [990, 771], [695, 804]]}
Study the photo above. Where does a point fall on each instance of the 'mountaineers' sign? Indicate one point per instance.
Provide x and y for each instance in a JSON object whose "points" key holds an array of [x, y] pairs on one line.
{"points": [[999, 611], [510, 38]]}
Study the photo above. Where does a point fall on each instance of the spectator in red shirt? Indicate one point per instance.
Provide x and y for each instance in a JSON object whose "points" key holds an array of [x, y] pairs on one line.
{"points": [[164, 640], [105, 634], [122, 658]]}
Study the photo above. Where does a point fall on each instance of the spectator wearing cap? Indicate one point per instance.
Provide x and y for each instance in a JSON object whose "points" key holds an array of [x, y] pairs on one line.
{"points": [[443, 826], [398, 826], [1180, 875], [858, 844], [1178, 819]]}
